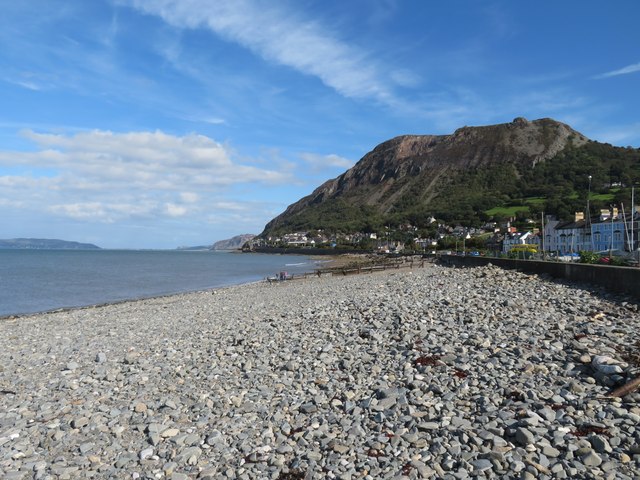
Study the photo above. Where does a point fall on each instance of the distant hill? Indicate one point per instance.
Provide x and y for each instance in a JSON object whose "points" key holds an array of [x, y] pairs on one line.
{"points": [[196, 248], [460, 178], [234, 243], [44, 244]]}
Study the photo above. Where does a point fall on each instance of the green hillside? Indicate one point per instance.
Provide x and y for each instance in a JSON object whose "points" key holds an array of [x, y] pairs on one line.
{"points": [[470, 177]]}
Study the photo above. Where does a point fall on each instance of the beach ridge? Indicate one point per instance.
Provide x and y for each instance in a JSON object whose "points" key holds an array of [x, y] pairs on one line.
{"points": [[429, 372]]}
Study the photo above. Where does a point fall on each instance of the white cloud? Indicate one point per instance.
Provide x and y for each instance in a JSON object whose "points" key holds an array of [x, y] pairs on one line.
{"points": [[9, 203], [146, 160], [107, 177], [213, 120], [189, 197], [245, 215], [622, 71], [233, 206], [285, 38], [107, 210], [326, 161], [83, 211], [174, 210]]}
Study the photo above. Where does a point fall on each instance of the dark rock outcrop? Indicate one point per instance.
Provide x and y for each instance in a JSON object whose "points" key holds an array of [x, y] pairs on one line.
{"points": [[234, 243]]}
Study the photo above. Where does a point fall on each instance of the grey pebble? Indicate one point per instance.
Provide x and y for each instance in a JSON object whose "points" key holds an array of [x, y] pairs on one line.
{"points": [[524, 437], [433, 373], [591, 459]]}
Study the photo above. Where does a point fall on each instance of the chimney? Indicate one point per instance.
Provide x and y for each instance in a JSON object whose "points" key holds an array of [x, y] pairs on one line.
{"points": [[579, 216]]}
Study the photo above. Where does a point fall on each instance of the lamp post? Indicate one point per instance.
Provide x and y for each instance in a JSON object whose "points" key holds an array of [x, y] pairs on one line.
{"points": [[611, 242], [542, 234], [464, 243], [634, 233], [589, 215]]}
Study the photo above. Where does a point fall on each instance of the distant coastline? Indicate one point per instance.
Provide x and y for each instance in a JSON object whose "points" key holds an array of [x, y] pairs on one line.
{"points": [[44, 244]]}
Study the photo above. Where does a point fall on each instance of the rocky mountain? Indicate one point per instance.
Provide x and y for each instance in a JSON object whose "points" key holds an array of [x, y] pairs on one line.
{"points": [[44, 244], [413, 176], [234, 243]]}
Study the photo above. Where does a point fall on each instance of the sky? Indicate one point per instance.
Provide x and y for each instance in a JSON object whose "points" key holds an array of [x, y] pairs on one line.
{"points": [[167, 123]]}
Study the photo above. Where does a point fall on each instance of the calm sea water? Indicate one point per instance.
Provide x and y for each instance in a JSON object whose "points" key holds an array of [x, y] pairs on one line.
{"points": [[41, 280]]}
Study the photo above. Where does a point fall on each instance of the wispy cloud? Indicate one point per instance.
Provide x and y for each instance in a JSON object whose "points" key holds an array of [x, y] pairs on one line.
{"points": [[616, 134], [322, 162], [622, 71], [282, 37], [28, 84]]}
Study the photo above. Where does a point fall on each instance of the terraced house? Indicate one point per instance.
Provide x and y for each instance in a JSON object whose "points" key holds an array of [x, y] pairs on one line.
{"points": [[610, 231], [615, 232]]}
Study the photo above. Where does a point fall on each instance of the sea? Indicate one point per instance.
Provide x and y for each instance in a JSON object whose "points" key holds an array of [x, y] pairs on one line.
{"points": [[33, 281]]}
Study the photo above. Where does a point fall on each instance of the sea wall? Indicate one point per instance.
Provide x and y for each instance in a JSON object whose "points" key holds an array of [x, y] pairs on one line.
{"points": [[616, 279]]}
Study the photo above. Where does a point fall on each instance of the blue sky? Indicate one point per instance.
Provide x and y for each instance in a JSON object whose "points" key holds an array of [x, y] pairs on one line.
{"points": [[161, 123]]}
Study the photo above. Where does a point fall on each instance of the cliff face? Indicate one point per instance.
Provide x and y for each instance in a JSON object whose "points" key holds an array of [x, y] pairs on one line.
{"points": [[421, 164], [234, 243]]}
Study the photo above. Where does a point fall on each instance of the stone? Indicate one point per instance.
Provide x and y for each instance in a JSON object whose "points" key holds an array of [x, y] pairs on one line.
{"points": [[146, 453], [524, 437], [308, 408], [170, 432], [591, 459], [72, 366], [429, 426], [80, 422], [550, 451], [600, 444], [86, 447], [482, 465], [339, 448]]}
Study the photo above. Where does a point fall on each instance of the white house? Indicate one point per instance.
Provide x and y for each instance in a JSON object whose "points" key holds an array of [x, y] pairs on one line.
{"points": [[526, 238]]}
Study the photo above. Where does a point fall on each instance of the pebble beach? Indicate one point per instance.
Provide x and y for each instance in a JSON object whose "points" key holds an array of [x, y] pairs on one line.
{"points": [[433, 372]]}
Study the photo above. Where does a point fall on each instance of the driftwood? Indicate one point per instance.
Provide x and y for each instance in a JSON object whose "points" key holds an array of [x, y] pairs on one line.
{"points": [[627, 388]]}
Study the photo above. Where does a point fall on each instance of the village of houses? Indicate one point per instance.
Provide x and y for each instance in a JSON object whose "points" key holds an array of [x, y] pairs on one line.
{"points": [[612, 232]]}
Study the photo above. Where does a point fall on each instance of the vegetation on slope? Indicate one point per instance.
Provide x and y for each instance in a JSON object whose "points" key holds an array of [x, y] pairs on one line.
{"points": [[473, 195]]}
